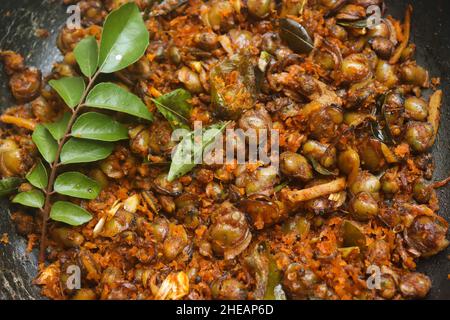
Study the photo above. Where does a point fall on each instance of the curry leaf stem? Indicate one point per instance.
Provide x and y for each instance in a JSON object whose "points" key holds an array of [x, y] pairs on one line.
{"points": [[54, 168]]}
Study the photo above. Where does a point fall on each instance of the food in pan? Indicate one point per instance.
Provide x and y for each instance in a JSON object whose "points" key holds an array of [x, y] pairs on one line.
{"points": [[100, 185]]}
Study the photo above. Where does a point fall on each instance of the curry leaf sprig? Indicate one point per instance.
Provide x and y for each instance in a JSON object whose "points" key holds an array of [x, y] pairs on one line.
{"points": [[85, 137]]}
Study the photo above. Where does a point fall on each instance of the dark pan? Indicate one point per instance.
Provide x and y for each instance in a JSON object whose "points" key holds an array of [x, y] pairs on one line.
{"points": [[19, 18]]}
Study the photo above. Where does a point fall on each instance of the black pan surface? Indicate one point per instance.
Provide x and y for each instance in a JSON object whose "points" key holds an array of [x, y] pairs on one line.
{"points": [[19, 19]]}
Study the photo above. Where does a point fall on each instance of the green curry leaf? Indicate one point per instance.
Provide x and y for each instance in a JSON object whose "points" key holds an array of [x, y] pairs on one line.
{"points": [[97, 126], [33, 198], [38, 176], [86, 54], [45, 143], [77, 185], [58, 128], [113, 97], [81, 151], [69, 213], [70, 89], [124, 39]]}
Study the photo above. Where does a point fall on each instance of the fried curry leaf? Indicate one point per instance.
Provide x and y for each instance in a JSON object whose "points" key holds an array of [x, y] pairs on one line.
{"points": [[81, 151], [86, 54], [321, 169], [345, 252], [70, 89], [353, 235], [174, 106], [266, 273], [58, 128], [77, 185], [233, 86], [97, 126], [33, 198], [280, 187], [188, 152], [273, 279], [378, 132], [359, 24], [38, 176], [113, 97], [69, 213], [381, 133], [9, 185], [295, 36], [45, 143], [124, 39], [264, 61]]}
